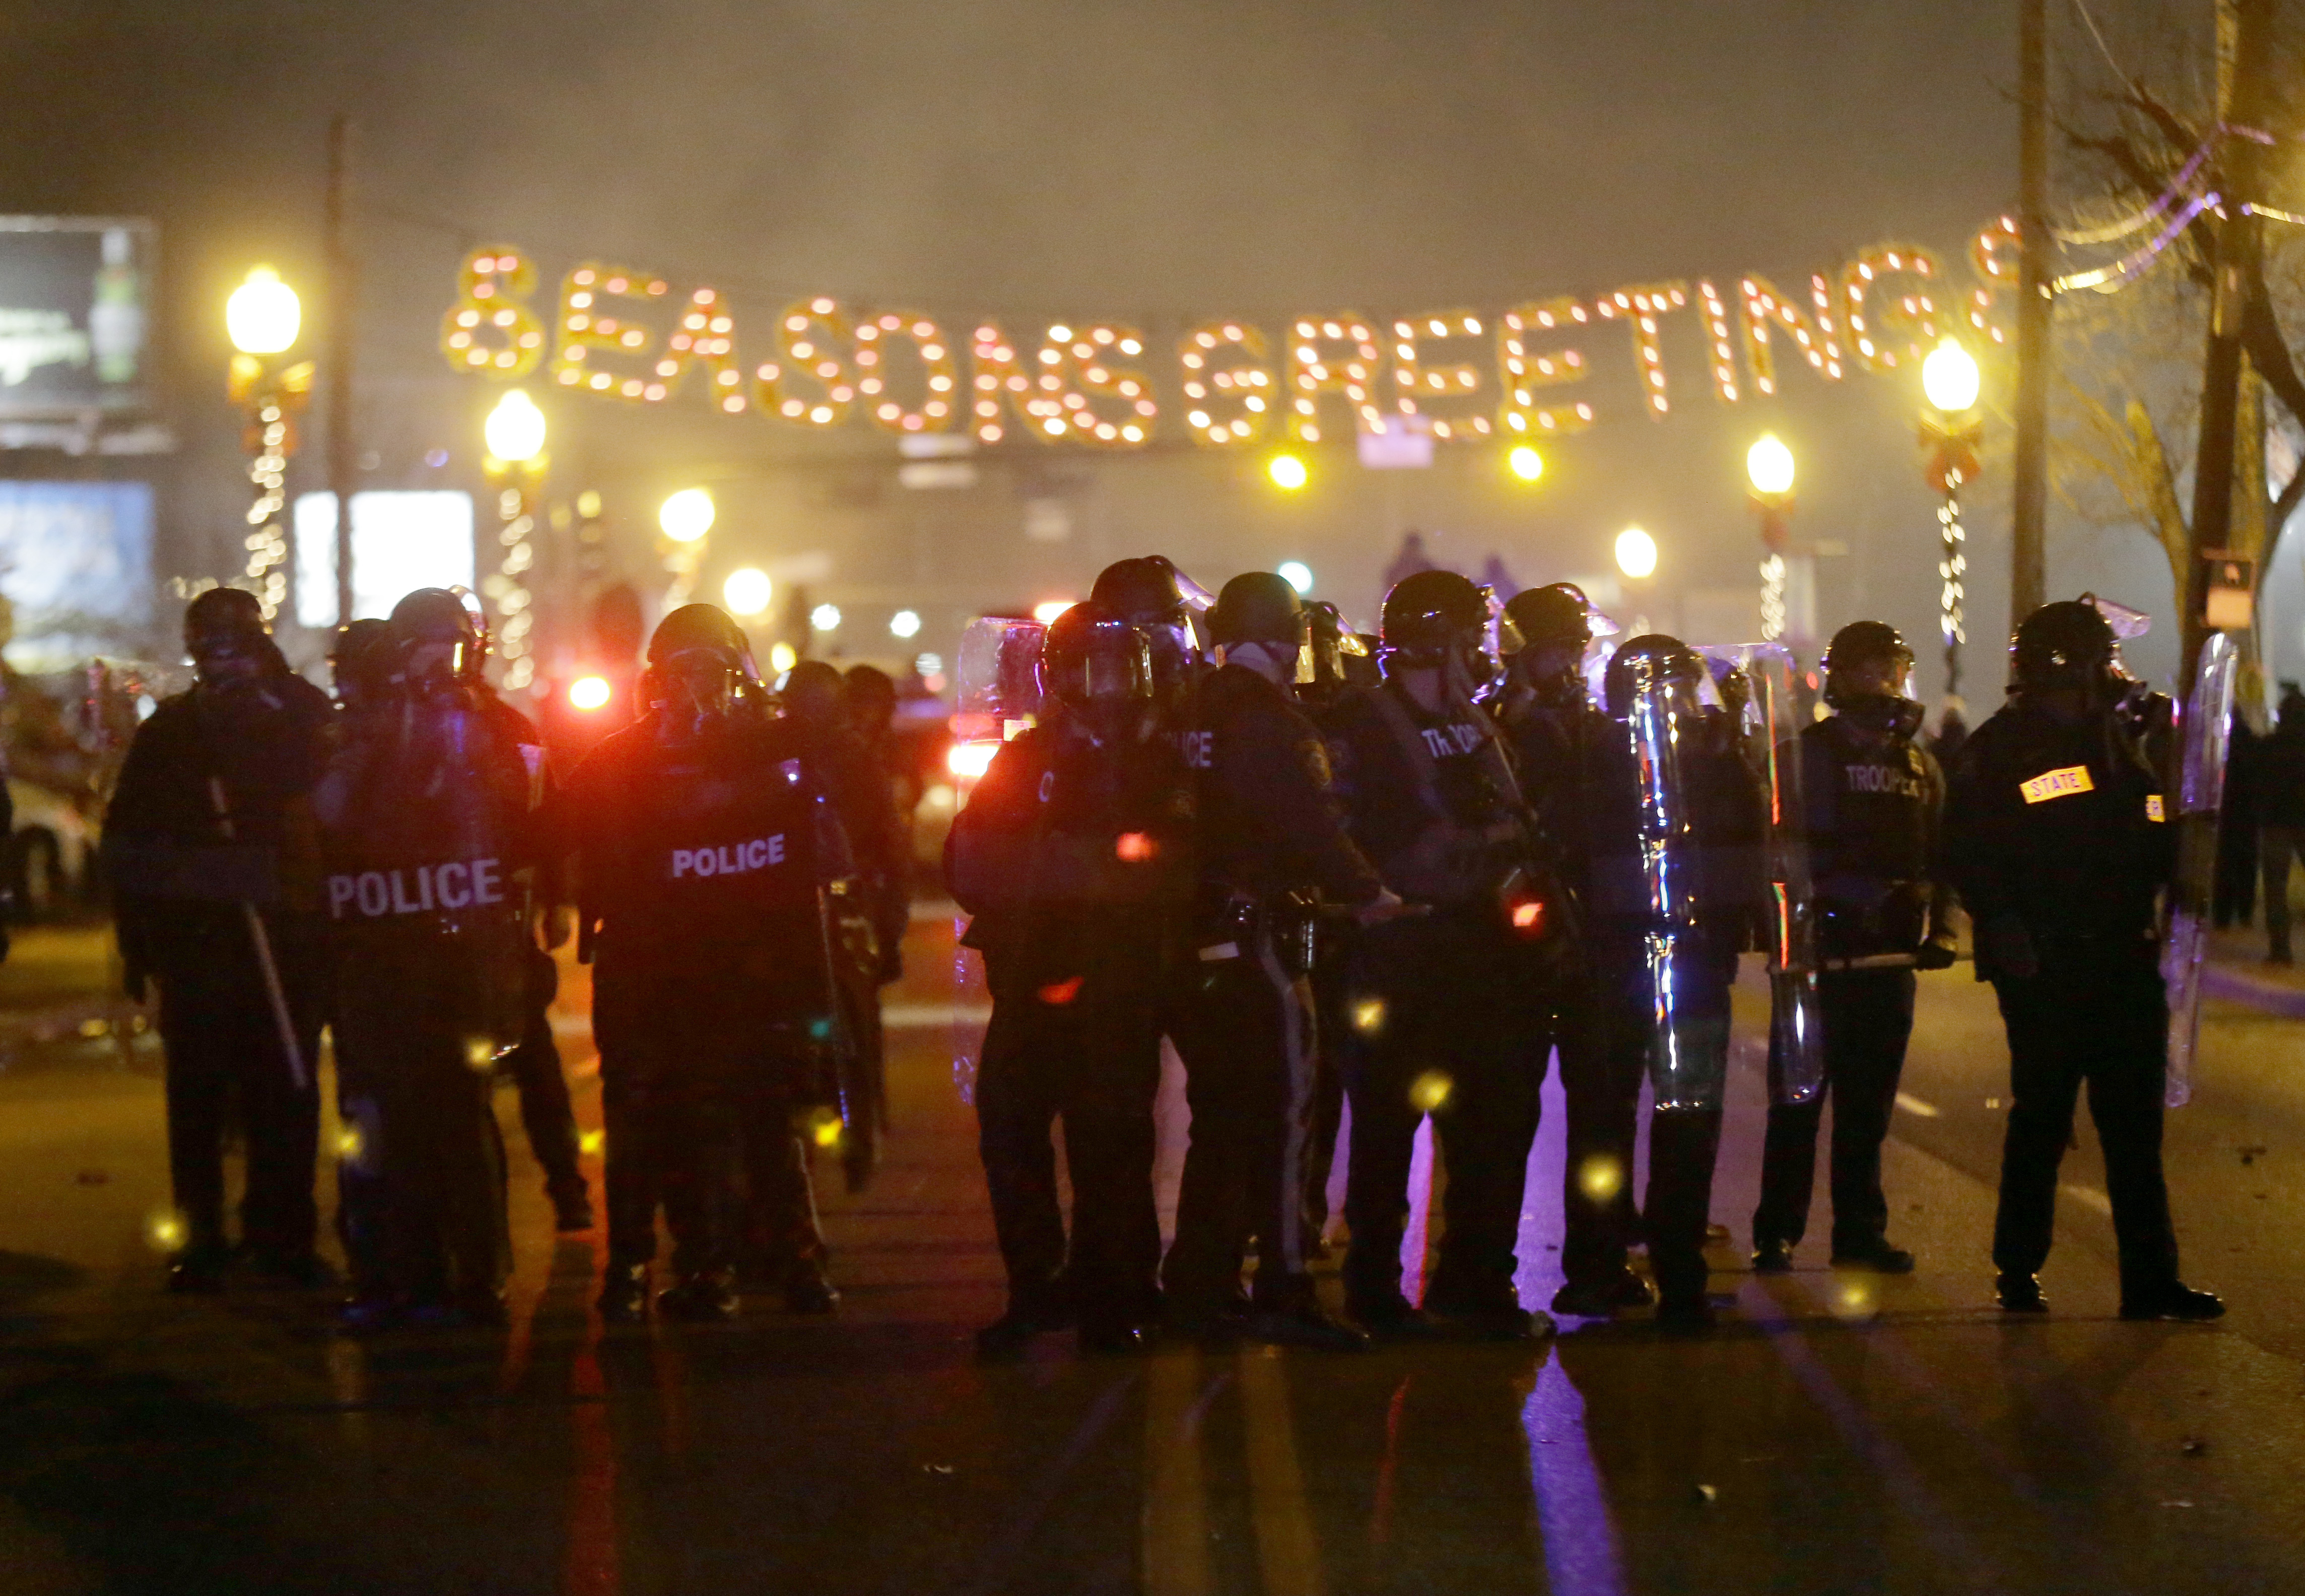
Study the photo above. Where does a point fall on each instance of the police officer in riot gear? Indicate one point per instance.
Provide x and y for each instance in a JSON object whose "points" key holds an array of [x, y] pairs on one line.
{"points": [[1341, 660], [1451, 1008], [1273, 848], [1656, 974], [2057, 836], [702, 869], [1074, 856], [1563, 741], [210, 848], [426, 816], [1874, 798], [1151, 595]]}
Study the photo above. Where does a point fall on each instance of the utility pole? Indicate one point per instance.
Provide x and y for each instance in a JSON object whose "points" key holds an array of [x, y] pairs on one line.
{"points": [[2248, 25], [2028, 543], [343, 286]]}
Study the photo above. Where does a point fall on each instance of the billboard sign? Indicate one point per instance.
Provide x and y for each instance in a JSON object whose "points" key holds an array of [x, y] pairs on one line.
{"points": [[75, 319], [75, 570], [400, 541]]}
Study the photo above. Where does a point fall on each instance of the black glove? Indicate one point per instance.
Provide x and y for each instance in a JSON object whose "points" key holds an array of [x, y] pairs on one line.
{"points": [[2005, 948], [1936, 954]]}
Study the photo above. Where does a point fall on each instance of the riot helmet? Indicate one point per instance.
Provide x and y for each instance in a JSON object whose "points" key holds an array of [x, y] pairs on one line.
{"points": [[2066, 644], [1259, 610], [869, 694], [1151, 595], [1334, 651], [1556, 626], [438, 640], [360, 662], [1098, 667], [1868, 669], [1654, 658], [1432, 615], [699, 664], [226, 635], [814, 695]]}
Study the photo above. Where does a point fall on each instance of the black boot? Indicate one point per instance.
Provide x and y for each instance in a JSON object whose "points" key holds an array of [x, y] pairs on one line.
{"points": [[2175, 1301], [2020, 1294], [706, 1297], [808, 1289], [624, 1294], [1033, 1310]]}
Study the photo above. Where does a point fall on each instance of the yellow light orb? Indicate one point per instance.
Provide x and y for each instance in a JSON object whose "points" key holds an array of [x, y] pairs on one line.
{"points": [[1298, 574], [1636, 553], [825, 617], [687, 515], [1049, 609], [1429, 1092], [1525, 463], [905, 622], [1948, 377], [514, 429], [1288, 472], [589, 693], [747, 591], [263, 314], [782, 657], [1769, 466]]}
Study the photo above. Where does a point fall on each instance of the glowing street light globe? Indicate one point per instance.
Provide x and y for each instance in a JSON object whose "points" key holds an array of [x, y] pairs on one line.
{"points": [[905, 622], [825, 617], [1525, 463], [1298, 574], [514, 429], [1769, 464], [687, 515], [263, 314], [589, 693], [1636, 553], [747, 591], [1949, 377], [1288, 472]]}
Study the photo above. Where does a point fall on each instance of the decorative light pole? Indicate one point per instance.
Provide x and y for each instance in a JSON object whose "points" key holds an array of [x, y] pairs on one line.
{"points": [[1769, 466], [1949, 431], [262, 316], [685, 518], [514, 464]]}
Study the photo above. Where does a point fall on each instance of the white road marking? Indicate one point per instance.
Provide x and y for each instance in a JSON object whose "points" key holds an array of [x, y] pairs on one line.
{"points": [[2088, 1197], [1913, 1105], [913, 1015]]}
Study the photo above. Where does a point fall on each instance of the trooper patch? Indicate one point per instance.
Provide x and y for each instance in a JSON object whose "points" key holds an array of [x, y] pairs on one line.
{"points": [[2153, 810], [1887, 779], [729, 859], [420, 890], [2057, 784], [1452, 741]]}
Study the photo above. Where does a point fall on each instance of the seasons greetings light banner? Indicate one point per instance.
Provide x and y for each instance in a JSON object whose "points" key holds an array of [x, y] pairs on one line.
{"points": [[1463, 374]]}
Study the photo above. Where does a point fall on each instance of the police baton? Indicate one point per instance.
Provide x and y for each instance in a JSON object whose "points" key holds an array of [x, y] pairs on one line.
{"points": [[256, 935]]}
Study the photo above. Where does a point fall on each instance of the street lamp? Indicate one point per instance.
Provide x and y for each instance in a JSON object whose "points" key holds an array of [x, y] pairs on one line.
{"points": [[747, 591], [1636, 553], [1525, 463], [262, 317], [1288, 473], [515, 464], [683, 518], [1949, 432], [1769, 468]]}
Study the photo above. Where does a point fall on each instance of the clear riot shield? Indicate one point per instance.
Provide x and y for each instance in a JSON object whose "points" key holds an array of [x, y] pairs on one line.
{"points": [[2205, 732], [1765, 703], [1688, 1044], [998, 678]]}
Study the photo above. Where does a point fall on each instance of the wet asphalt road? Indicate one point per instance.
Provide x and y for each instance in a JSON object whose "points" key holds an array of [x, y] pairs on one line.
{"points": [[1839, 1434]]}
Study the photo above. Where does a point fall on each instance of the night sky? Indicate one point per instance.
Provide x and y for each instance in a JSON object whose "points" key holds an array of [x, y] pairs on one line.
{"points": [[1155, 163]]}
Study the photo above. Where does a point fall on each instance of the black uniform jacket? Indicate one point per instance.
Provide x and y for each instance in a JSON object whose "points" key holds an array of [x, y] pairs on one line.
{"points": [[1874, 812], [177, 882], [1271, 824], [1070, 854], [2060, 825], [1434, 799]]}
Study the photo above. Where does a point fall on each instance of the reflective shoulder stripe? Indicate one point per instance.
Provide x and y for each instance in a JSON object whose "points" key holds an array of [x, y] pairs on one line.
{"points": [[2057, 784]]}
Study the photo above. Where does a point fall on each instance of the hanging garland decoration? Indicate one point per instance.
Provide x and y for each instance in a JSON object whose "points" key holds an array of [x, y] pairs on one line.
{"points": [[1212, 390], [588, 329], [941, 371], [1085, 383], [812, 334], [1527, 372], [1641, 307], [1315, 369], [490, 328], [1764, 307], [1438, 392]]}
